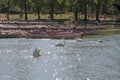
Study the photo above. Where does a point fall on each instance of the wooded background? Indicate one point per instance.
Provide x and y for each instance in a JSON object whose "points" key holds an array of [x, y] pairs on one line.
{"points": [[58, 9]]}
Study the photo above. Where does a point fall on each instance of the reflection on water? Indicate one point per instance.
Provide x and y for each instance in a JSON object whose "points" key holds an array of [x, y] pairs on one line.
{"points": [[89, 59]]}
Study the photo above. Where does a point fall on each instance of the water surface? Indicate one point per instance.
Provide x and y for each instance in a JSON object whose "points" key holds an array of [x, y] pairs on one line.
{"points": [[88, 59]]}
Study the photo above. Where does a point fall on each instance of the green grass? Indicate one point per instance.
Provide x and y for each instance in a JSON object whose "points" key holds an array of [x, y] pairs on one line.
{"points": [[69, 16], [33, 16]]}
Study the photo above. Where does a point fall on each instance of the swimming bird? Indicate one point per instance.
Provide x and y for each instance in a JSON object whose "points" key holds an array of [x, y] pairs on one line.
{"points": [[36, 53], [61, 44], [79, 37], [79, 40], [87, 79], [101, 41]]}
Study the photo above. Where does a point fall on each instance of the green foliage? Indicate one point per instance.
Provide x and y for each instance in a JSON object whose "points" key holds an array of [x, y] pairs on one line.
{"points": [[58, 6]]}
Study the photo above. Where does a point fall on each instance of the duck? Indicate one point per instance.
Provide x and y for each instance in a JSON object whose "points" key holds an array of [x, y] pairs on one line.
{"points": [[79, 37], [61, 44], [79, 40], [100, 41], [87, 79], [36, 53]]}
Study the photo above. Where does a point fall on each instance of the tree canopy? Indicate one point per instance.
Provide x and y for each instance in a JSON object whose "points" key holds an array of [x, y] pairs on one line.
{"points": [[52, 7]]}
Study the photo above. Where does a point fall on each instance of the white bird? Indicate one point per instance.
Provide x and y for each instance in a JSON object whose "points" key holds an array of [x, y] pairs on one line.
{"points": [[36, 53], [61, 44], [101, 41], [79, 37], [87, 79], [79, 40]]}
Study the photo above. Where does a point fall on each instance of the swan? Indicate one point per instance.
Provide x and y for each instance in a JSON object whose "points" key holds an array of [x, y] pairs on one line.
{"points": [[36, 53], [61, 44], [79, 37], [79, 40], [101, 41], [87, 79]]}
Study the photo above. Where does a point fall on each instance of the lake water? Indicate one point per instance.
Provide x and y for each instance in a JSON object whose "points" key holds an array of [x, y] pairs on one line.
{"points": [[86, 60]]}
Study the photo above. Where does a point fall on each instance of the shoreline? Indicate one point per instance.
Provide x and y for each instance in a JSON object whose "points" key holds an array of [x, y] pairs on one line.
{"points": [[79, 22]]}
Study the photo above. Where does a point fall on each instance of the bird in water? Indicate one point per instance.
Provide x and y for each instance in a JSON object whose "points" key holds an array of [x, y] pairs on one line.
{"points": [[87, 79], [36, 53], [61, 44], [100, 41], [80, 37]]}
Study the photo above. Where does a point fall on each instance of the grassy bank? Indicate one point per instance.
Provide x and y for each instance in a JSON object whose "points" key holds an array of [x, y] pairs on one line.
{"points": [[34, 16], [69, 16]]}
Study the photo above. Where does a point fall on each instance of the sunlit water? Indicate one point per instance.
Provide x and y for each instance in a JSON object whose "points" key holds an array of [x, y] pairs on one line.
{"points": [[86, 60]]}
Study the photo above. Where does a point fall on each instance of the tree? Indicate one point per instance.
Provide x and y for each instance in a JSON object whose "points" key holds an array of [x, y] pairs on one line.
{"points": [[39, 6], [76, 9], [54, 6], [25, 9], [6, 7], [73, 6], [57, 6], [25, 5]]}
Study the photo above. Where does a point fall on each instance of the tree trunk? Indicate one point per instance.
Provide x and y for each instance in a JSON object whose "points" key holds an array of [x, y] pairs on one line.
{"points": [[52, 12], [76, 15], [76, 12], [38, 11], [98, 10], [8, 7], [104, 8], [26, 17], [85, 10]]}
